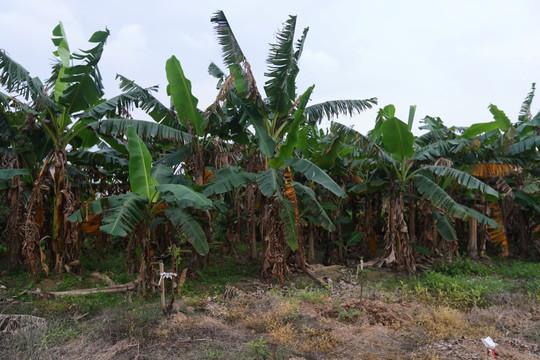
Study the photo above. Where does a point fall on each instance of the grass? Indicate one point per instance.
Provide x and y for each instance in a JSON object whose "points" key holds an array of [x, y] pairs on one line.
{"points": [[112, 264], [314, 295], [212, 279], [71, 281], [465, 284]]}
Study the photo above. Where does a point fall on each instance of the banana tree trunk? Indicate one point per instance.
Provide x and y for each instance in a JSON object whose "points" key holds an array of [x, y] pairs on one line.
{"points": [[397, 235], [239, 226], [275, 261], [524, 234], [65, 247], [145, 279], [311, 244], [370, 227], [472, 249], [337, 237], [412, 221], [32, 229], [291, 195], [251, 221], [12, 232]]}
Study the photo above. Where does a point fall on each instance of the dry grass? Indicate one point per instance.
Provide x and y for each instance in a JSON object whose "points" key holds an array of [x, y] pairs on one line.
{"points": [[444, 322], [284, 325], [277, 319]]}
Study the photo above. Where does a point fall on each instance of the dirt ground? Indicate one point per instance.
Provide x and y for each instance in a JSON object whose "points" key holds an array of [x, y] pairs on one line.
{"points": [[255, 320]]}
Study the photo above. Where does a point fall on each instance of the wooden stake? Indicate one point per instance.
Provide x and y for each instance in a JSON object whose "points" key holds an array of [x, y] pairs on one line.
{"points": [[161, 271]]}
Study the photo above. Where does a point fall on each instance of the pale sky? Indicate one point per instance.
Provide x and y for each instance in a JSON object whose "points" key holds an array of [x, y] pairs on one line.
{"points": [[450, 58]]}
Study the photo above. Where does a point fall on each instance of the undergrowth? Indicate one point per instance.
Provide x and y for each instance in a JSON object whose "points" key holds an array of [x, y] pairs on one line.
{"points": [[465, 284], [212, 279]]}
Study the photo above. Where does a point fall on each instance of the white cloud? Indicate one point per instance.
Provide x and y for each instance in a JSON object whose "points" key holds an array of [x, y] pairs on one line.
{"points": [[316, 61], [450, 58], [127, 50]]}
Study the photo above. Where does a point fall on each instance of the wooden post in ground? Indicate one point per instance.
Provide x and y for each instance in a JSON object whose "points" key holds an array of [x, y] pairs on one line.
{"points": [[161, 271]]}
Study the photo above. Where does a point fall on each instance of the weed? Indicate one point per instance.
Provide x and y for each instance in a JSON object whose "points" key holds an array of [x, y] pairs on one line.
{"points": [[462, 266], [259, 349], [60, 335], [519, 270], [90, 304], [138, 321], [213, 279], [110, 261], [533, 288], [70, 281], [210, 352], [462, 291], [314, 295], [349, 314]]}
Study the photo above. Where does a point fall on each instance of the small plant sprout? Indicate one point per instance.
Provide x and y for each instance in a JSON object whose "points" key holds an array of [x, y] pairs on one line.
{"points": [[259, 349]]}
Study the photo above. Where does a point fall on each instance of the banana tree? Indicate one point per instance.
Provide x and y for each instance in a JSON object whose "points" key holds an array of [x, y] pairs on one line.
{"points": [[507, 158], [20, 147], [136, 210], [409, 179], [274, 122], [75, 86], [354, 169]]}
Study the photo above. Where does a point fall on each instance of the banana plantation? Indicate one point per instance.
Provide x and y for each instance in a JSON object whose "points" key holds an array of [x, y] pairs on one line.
{"points": [[255, 174]]}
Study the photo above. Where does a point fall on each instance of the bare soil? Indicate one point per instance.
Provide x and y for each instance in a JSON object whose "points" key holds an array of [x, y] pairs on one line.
{"points": [[256, 320]]}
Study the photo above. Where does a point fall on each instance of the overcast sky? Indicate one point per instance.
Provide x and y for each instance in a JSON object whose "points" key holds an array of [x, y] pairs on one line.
{"points": [[450, 58]]}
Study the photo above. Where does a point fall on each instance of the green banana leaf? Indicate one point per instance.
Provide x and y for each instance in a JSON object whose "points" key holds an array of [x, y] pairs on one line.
{"points": [[8, 174], [314, 173], [140, 162], [268, 181], [266, 144], [147, 130], [500, 117], [438, 197], [288, 215], [62, 52], [85, 87], [397, 139], [464, 179], [190, 227], [185, 196], [480, 128], [180, 91], [228, 179], [312, 206], [287, 148], [445, 226], [122, 213]]}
